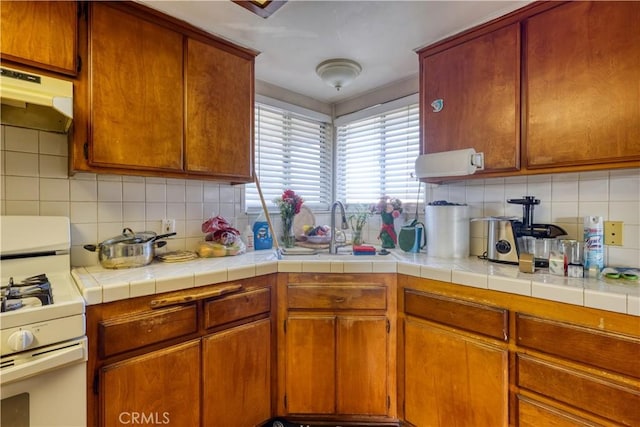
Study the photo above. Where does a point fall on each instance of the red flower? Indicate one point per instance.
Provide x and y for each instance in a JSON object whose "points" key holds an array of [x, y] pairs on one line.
{"points": [[289, 203]]}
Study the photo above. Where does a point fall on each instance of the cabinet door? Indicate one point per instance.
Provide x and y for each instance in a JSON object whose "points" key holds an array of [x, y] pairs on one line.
{"points": [[219, 133], [362, 361], [40, 33], [582, 64], [453, 380], [162, 387], [478, 82], [310, 365], [136, 92], [236, 376]]}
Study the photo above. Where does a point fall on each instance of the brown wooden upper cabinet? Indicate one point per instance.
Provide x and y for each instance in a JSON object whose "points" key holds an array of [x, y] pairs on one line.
{"points": [[567, 72], [136, 92], [41, 34], [470, 94], [582, 82], [219, 132], [164, 99]]}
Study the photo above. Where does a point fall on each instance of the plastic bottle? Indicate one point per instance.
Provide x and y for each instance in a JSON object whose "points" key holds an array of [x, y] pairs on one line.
{"points": [[262, 238], [593, 245], [247, 238]]}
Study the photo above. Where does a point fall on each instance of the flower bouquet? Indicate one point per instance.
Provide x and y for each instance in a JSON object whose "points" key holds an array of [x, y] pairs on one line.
{"points": [[289, 204]]}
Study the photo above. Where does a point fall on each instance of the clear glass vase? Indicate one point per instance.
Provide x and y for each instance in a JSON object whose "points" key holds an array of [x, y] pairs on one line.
{"points": [[356, 237], [288, 238]]}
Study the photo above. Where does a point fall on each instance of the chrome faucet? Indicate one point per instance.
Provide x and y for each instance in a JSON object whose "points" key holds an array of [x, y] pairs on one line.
{"points": [[333, 247]]}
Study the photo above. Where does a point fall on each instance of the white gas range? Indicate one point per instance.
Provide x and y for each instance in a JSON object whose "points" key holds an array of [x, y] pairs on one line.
{"points": [[42, 325]]}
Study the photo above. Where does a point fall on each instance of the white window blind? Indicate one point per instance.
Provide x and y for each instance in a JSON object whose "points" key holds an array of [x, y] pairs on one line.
{"points": [[292, 152], [376, 156]]}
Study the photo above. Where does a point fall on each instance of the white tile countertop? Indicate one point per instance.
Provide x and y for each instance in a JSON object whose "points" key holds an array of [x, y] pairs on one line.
{"points": [[100, 285]]}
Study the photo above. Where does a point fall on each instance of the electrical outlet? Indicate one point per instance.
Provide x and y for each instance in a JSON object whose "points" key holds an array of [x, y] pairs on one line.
{"points": [[168, 225], [613, 233]]}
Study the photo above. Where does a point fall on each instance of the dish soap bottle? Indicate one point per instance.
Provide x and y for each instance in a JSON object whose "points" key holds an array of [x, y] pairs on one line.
{"points": [[261, 234]]}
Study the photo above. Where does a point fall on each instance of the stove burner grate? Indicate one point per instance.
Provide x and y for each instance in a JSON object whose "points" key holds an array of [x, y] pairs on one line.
{"points": [[17, 295]]}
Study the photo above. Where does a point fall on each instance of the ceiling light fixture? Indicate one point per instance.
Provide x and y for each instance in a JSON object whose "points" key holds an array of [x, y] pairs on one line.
{"points": [[338, 72]]}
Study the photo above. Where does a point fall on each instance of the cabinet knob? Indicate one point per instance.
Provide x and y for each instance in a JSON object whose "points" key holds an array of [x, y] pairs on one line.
{"points": [[339, 299], [437, 105]]}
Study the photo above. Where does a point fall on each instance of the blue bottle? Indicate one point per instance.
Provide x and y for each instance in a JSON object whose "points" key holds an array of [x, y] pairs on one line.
{"points": [[262, 238]]}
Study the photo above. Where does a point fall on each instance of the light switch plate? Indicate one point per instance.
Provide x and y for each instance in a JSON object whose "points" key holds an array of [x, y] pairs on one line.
{"points": [[613, 233]]}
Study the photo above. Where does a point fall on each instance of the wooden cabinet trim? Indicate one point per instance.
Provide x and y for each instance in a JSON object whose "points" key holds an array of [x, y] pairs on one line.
{"points": [[482, 319], [337, 297], [129, 332], [579, 389], [614, 352], [236, 307]]}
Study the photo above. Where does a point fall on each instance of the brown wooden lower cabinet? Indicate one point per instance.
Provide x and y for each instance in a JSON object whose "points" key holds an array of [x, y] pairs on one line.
{"points": [[336, 347], [161, 387], [452, 378], [197, 357], [236, 376], [477, 357], [359, 349]]}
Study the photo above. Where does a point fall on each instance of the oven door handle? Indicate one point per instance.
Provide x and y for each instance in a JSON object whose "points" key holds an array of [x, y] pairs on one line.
{"points": [[57, 359]]}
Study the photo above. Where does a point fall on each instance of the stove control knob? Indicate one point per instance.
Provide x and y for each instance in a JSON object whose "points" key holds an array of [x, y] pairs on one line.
{"points": [[20, 340]]}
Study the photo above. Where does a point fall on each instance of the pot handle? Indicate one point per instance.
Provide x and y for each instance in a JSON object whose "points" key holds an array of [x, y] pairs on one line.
{"points": [[90, 248], [162, 236], [160, 243]]}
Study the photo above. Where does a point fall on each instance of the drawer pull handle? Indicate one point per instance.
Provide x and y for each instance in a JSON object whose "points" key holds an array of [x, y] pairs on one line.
{"points": [[222, 290], [339, 300]]}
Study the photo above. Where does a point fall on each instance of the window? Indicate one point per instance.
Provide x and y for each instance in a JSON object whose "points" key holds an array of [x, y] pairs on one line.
{"points": [[292, 151], [376, 155]]}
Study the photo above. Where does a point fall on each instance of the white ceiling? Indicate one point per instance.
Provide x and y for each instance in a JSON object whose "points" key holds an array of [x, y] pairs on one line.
{"points": [[381, 35]]}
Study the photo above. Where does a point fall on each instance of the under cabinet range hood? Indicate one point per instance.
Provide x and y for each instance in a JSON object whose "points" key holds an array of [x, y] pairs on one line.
{"points": [[34, 101]]}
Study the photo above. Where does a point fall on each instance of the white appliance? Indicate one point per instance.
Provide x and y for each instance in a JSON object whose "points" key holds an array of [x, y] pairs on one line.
{"points": [[35, 101], [42, 326]]}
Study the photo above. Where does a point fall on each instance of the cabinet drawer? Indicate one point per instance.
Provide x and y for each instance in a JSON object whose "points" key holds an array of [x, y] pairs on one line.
{"points": [[134, 331], [236, 307], [614, 352], [579, 389], [337, 297], [481, 319], [532, 413]]}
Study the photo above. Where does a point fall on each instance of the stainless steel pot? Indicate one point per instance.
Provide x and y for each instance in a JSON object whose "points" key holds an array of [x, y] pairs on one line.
{"points": [[128, 249]]}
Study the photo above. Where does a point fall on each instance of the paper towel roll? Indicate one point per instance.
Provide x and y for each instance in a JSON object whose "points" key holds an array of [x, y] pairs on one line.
{"points": [[449, 163]]}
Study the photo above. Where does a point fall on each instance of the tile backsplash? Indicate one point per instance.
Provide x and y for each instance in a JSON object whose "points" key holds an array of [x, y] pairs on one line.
{"points": [[35, 181], [565, 199]]}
